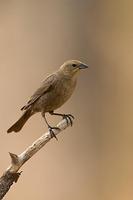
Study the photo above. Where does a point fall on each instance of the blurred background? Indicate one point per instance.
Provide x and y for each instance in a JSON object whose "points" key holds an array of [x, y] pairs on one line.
{"points": [[93, 159]]}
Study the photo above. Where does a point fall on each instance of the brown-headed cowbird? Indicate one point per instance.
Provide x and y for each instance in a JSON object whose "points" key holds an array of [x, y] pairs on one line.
{"points": [[55, 90]]}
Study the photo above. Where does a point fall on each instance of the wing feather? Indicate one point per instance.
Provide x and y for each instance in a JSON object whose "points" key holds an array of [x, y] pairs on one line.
{"points": [[47, 85]]}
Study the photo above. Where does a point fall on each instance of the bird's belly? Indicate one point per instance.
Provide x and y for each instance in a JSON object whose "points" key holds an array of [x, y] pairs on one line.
{"points": [[55, 98]]}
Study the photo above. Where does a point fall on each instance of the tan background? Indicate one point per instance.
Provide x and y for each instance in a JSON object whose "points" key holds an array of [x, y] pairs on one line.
{"points": [[94, 159]]}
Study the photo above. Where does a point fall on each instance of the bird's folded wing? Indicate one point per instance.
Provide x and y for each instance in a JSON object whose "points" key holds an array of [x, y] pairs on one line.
{"points": [[47, 86]]}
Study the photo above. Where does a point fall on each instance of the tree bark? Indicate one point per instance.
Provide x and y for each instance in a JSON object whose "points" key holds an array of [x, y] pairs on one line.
{"points": [[11, 174]]}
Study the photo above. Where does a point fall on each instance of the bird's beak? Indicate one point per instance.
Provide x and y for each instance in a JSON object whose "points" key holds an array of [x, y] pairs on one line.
{"points": [[83, 66]]}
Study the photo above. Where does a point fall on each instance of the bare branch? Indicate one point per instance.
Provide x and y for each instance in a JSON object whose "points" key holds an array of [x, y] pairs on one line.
{"points": [[11, 175], [14, 158]]}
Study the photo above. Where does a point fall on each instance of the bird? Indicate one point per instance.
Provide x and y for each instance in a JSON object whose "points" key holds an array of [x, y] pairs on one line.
{"points": [[54, 91]]}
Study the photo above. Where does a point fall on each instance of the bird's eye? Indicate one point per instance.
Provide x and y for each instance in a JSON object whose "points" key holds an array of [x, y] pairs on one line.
{"points": [[74, 65]]}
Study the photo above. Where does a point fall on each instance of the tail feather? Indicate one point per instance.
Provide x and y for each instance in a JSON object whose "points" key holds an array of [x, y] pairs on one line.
{"points": [[20, 123]]}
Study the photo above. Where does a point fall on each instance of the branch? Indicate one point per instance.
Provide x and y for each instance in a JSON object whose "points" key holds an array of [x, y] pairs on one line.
{"points": [[11, 175]]}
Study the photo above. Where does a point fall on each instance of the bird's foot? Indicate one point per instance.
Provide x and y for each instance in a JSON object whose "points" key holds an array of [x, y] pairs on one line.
{"points": [[69, 118], [52, 132]]}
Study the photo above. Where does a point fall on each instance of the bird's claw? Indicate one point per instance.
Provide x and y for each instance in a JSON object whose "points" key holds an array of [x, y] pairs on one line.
{"points": [[69, 118], [52, 132]]}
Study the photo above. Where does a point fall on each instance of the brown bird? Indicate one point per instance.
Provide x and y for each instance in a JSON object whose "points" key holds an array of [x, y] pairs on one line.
{"points": [[55, 90]]}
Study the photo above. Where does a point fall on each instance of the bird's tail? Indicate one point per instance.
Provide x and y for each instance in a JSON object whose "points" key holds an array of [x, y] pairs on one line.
{"points": [[20, 123]]}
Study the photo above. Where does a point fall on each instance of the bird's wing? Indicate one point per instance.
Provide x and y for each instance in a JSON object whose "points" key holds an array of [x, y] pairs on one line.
{"points": [[47, 85]]}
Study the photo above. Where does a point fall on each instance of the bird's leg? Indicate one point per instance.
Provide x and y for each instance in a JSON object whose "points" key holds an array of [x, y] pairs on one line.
{"points": [[50, 128], [67, 117]]}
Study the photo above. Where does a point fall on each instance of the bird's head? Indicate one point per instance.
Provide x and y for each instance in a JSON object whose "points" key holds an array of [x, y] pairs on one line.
{"points": [[72, 67]]}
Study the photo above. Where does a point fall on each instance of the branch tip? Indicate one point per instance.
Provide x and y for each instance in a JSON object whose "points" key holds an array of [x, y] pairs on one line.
{"points": [[14, 158]]}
